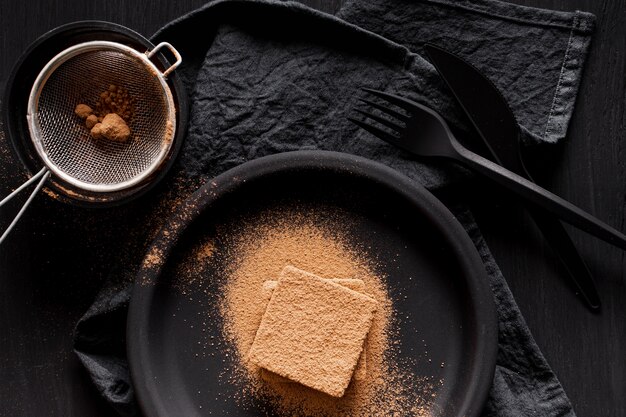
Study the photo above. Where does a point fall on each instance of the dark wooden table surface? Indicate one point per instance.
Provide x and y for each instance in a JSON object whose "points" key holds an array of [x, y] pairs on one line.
{"points": [[42, 295]]}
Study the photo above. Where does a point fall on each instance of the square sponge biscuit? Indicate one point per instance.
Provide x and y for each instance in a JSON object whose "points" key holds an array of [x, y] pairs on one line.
{"points": [[354, 284], [313, 331]]}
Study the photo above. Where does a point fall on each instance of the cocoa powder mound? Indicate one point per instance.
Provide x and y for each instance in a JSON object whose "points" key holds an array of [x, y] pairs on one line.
{"points": [[316, 241]]}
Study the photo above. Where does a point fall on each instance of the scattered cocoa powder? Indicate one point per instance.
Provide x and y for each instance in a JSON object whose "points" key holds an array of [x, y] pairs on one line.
{"points": [[313, 242], [153, 259], [175, 195], [205, 251], [169, 131], [224, 272]]}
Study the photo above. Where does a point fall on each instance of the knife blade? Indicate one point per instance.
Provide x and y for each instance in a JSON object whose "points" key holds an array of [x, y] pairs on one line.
{"points": [[493, 119]]}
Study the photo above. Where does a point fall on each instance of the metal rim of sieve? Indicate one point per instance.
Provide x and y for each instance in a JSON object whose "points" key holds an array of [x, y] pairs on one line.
{"points": [[169, 110]]}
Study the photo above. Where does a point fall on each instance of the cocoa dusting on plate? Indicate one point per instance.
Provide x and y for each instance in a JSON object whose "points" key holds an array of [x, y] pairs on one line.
{"points": [[225, 272], [314, 242], [205, 251]]}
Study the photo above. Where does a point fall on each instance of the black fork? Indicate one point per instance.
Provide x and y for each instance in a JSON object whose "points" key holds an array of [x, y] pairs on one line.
{"points": [[422, 131]]}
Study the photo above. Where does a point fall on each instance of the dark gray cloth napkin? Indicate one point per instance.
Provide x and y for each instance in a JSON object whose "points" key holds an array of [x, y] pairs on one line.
{"points": [[266, 77]]}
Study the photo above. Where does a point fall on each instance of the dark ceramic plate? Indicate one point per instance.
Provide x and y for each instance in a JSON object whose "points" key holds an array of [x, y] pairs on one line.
{"points": [[448, 304]]}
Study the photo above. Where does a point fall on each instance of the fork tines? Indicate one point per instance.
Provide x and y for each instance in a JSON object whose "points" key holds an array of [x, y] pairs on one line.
{"points": [[392, 120]]}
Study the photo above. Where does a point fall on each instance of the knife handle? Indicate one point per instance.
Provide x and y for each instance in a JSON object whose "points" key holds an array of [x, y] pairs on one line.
{"points": [[554, 233], [562, 245], [538, 196]]}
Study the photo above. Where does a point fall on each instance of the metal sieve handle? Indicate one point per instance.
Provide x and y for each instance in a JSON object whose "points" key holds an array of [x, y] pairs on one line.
{"points": [[179, 58], [43, 174]]}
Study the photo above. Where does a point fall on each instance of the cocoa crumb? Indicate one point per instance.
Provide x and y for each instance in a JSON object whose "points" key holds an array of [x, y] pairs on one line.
{"points": [[113, 127], [91, 121], [83, 111]]}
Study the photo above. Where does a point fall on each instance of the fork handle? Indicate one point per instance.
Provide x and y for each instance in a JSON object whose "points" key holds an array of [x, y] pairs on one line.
{"points": [[540, 197]]}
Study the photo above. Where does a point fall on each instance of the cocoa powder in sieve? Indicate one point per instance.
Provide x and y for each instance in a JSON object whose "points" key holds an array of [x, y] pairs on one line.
{"points": [[110, 116]]}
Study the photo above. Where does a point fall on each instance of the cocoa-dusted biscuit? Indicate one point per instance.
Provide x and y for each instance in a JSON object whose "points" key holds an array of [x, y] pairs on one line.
{"points": [[313, 331], [354, 284]]}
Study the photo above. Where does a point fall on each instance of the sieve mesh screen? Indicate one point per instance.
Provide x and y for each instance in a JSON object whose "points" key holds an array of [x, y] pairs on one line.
{"points": [[66, 141]]}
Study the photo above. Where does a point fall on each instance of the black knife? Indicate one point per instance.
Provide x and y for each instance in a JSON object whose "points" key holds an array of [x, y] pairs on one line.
{"points": [[492, 117]]}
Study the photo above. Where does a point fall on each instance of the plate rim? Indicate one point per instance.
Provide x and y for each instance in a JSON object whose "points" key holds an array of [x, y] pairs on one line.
{"points": [[229, 181]]}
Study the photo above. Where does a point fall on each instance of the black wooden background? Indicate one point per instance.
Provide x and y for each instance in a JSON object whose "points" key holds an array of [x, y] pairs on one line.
{"points": [[42, 296]]}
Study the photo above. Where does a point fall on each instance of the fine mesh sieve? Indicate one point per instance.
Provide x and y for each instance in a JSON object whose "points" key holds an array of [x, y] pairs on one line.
{"points": [[79, 74]]}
